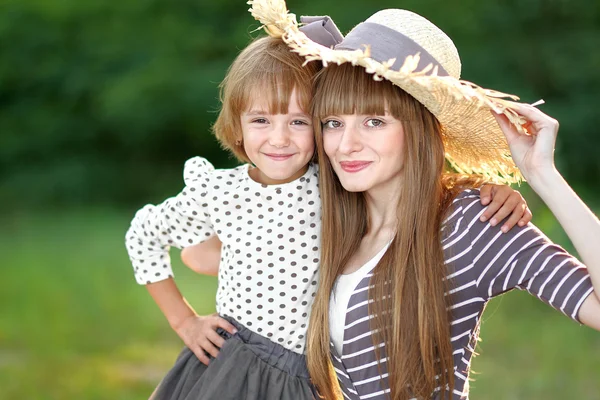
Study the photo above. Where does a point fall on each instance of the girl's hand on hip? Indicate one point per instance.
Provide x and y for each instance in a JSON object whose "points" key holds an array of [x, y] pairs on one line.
{"points": [[199, 333], [533, 153]]}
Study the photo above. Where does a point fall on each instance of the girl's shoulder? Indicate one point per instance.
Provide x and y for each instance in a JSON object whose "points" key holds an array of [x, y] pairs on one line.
{"points": [[198, 170]]}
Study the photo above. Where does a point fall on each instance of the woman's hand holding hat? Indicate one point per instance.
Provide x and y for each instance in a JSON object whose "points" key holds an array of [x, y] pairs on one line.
{"points": [[533, 153]]}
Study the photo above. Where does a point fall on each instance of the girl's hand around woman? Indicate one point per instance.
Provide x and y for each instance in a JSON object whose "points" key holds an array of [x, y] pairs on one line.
{"points": [[532, 153], [199, 333], [502, 201]]}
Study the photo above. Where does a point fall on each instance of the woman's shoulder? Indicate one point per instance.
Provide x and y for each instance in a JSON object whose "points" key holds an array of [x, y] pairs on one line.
{"points": [[467, 199], [467, 204]]}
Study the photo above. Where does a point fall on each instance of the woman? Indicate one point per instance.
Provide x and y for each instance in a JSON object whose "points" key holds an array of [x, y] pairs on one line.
{"points": [[407, 266]]}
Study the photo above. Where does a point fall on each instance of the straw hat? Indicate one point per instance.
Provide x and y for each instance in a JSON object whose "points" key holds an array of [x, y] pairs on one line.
{"points": [[414, 54]]}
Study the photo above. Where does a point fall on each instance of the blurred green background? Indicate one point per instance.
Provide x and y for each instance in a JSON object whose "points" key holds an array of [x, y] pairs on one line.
{"points": [[101, 103]]}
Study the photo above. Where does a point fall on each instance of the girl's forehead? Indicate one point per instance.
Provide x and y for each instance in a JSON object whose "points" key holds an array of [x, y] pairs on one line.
{"points": [[282, 100]]}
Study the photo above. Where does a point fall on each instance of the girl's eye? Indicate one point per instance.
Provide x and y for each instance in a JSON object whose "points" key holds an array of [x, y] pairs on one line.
{"points": [[259, 120], [374, 123], [331, 124], [299, 122]]}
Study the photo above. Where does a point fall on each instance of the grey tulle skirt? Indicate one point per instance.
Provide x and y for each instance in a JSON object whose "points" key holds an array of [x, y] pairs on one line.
{"points": [[248, 367]]}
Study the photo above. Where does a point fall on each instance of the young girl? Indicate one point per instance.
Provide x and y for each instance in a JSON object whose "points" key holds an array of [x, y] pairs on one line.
{"points": [[407, 265], [267, 215]]}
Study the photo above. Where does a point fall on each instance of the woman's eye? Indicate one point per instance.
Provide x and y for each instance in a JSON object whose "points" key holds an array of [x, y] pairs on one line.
{"points": [[331, 124], [374, 123]]}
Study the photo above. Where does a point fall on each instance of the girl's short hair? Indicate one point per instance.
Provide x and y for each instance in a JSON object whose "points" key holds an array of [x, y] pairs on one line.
{"points": [[268, 70]]}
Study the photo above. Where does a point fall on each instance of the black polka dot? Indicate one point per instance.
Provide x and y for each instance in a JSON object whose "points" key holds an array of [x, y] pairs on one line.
{"points": [[237, 210]]}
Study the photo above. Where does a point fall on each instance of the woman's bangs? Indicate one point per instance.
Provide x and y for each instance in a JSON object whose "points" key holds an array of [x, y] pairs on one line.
{"points": [[345, 90]]}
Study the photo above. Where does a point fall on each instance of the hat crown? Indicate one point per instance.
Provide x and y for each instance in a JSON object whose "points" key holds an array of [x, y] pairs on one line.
{"points": [[423, 32]]}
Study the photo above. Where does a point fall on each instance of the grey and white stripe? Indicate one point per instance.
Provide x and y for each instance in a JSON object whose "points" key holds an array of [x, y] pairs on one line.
{"points": [[482, 262]]}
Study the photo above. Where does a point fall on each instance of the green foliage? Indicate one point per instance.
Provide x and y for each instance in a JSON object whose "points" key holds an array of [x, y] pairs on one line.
{"points": [[103, 101]]}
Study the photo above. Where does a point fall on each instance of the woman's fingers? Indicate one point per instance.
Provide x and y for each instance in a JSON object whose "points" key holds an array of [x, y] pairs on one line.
{"points": [[507, 128], [532, 152]]}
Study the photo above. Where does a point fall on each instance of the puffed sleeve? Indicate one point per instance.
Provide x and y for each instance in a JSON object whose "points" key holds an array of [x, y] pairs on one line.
{"points": [[180, 221], [526, 259]]}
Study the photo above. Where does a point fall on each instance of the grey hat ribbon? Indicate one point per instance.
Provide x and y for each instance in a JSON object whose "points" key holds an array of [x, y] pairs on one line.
{"points": [[321, 30], [385, 44]]}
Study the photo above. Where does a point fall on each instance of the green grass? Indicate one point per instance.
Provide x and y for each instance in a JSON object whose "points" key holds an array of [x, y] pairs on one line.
{"points": [[73, 322], [75, 325]]}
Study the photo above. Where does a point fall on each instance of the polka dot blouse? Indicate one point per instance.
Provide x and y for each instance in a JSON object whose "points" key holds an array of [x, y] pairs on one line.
{"points": [[270, 235]]}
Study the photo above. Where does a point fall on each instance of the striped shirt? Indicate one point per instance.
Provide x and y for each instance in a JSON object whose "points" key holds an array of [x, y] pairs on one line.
{"points": [[482, 262]]}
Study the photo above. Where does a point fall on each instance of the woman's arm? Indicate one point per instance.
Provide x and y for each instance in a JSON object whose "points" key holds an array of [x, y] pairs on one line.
{"points": [[582, 227], [534, 155]]}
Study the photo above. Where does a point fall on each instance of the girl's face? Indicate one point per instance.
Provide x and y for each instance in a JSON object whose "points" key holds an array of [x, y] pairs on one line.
{"points": [[366, 151], [279, 145]]}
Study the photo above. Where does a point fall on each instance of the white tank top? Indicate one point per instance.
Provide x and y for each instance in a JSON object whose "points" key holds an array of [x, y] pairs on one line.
{"points": [[342, 291]]}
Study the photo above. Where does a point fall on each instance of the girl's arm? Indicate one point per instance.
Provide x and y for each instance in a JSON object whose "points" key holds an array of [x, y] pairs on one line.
{"points": [[203, 258], [534, 155], [180, 221], [197, 332]]}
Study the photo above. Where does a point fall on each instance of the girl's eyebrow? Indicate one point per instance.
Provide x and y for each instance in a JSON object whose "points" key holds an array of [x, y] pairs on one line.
{"points": [[256, 112], [252, 113]]}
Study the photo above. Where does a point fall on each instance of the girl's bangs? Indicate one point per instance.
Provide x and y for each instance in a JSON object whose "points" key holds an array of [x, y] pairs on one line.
{"points": [[271, 85]]}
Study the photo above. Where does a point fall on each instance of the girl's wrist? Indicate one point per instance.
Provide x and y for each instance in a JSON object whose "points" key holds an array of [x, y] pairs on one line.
{"points": [[179, 314], [177, 321]]}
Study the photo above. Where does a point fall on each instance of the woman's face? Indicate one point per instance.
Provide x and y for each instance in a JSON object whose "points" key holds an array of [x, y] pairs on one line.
{"points": [[366, 151]]}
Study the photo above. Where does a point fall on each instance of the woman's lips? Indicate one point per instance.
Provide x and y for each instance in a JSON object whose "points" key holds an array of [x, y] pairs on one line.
{"points": [[278, 157], [354, 166]]}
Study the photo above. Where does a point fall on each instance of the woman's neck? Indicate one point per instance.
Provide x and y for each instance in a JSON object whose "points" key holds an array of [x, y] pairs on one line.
{"points": [[382, 206], [381, 209]]}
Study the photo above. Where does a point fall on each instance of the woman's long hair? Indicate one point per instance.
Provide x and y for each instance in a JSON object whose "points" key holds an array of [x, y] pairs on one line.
{"points": [[408, 292]]}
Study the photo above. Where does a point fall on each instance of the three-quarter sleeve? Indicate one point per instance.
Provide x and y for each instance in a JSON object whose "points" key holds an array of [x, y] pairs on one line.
{"points": [[180, 221], [524, 258]]}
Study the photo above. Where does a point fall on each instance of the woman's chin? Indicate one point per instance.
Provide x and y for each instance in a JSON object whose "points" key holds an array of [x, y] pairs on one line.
{"points": [[354, 186]]}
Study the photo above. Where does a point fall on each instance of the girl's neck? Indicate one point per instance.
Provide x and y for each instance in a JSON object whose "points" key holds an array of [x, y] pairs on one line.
{"points": [[260, 177]]}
